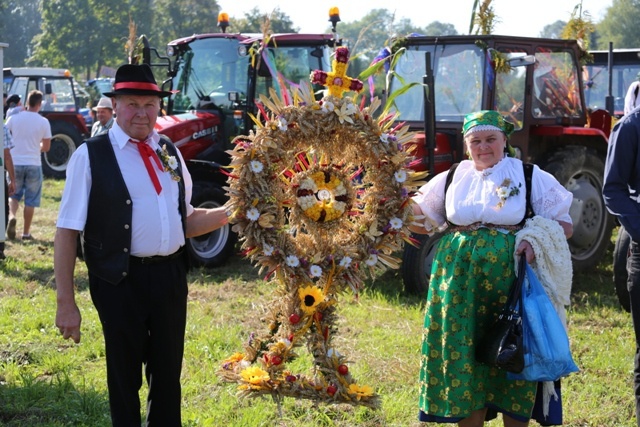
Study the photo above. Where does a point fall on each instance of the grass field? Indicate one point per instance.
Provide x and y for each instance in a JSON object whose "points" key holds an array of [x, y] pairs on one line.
{"points": [[45, 381]]}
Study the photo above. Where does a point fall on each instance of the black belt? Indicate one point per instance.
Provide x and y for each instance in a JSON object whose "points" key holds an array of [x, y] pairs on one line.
{"points": [[156, 259]]}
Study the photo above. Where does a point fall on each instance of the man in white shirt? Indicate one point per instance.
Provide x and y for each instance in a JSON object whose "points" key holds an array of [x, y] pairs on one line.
{"points": [[134, 209], [31, 135]]}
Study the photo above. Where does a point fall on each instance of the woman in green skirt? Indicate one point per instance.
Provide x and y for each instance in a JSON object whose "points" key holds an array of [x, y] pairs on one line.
{"points": [[480, 207]]}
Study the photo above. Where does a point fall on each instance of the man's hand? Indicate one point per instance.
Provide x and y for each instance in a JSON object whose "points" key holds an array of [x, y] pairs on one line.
{"points": [[68, 320]]}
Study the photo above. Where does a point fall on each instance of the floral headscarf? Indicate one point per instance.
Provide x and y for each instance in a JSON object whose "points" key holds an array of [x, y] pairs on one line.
{"points": [[485, 120]]}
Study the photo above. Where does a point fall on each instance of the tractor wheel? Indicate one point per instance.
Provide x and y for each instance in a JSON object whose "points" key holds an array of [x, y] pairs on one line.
{"points": [[581, 171], [64, 140], [620, 252], [211, 249], [417, 261]]}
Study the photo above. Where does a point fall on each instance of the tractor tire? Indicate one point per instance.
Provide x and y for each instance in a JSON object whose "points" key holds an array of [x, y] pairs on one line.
{"points": [[581, 171], [620, 253], [214, 248], [65, 138], [416, 263]]}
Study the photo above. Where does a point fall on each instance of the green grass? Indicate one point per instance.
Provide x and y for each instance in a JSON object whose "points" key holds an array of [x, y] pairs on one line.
{"points": [[46, 381]]}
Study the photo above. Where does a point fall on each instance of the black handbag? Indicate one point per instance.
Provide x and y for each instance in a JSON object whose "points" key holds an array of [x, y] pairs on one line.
{"points": [[501, 345]]}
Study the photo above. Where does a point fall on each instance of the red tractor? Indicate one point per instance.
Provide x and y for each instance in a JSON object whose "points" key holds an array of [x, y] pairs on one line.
{"points": [[61, 106], [537, 84], [218, 78]]}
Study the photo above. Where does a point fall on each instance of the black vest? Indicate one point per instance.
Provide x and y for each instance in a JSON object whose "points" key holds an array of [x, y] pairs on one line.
{"points": [[106, 240]]}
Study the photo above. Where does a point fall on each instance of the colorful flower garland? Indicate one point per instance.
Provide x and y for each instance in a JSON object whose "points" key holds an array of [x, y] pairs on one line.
{"points": [[320, 197]]}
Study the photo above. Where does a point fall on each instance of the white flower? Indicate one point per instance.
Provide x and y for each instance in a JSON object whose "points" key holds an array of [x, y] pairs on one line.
{"points": [[345, 262], [256, 166], [395, 223], [282, 124], [285, 342], [267, 250], [292, 261], [327, 106], [384, 138], [253, 214], [315, 271], [345, 111], [503, 192], [331, 353], [372, 260], [401, 176], [172, 162], [306, 202]]}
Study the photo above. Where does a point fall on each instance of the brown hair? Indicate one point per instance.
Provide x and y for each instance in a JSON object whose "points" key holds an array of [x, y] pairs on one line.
{"points": [[34, 98]]}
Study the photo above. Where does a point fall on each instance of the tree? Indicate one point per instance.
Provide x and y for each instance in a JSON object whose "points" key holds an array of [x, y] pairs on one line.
{"points": [[19, 23], [254, 22], [553, 31], [437, 28], [83, 34], [620, 25], [176, 19]]}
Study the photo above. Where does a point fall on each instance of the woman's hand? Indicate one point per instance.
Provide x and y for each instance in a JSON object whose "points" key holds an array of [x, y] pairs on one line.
{"points": [[524, 248]]}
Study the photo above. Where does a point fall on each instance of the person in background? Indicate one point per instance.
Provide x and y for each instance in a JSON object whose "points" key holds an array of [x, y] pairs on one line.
{"points": [[104, 116], [31, 136], [620, 191], [632, 98], [14, 105], [10, 184], [482, 211], [129, 192]]}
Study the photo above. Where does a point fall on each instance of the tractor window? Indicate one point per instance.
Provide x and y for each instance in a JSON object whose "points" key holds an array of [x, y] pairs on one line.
{"points": [[555, 80], [458, 73], [292, 65], [207, 72], [596, 82], [510, 90], [60, 98]]}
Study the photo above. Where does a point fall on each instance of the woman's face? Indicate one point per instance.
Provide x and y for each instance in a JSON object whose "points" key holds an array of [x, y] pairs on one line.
{"points": [[486, 147]]}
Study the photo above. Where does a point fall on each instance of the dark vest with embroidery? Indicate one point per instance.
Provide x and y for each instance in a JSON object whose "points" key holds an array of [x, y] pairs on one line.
{"points": [[106, 240]]}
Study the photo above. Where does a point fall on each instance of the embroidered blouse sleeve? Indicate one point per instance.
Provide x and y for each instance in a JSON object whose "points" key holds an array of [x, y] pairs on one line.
{"points": [[549, 199], [430, 198]]}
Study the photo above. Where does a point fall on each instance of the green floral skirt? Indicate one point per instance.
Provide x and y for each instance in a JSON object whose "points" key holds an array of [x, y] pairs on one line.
{"points": [[470, 279]]}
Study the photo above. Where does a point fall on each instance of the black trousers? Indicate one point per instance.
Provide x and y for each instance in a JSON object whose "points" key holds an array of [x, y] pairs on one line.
{"points": [[633, 284], [143, 321]]}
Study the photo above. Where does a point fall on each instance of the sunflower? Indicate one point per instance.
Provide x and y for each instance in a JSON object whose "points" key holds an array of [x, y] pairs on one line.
{"points": [[254, 375], [310, 297], [360, 391]]}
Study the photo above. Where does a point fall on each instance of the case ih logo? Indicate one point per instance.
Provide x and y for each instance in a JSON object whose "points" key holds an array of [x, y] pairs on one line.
{"points": [[205, 132]]}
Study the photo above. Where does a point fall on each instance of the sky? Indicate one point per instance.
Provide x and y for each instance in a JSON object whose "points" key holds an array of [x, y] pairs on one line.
{"points": [[524, 18]]}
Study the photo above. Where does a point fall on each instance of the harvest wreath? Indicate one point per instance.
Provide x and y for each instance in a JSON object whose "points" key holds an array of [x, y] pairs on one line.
{"points": [[319, 194]]}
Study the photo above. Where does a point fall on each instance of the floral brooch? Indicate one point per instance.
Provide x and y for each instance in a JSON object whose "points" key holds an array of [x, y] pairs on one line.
{"points": [[170, 163], [506, 190]]}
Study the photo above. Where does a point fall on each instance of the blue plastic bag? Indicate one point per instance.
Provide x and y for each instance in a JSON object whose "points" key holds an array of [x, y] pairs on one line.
{"points": [[547, 354]]}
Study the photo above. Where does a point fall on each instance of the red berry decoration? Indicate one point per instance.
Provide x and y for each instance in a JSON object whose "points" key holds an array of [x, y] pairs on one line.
{"points": [[294, 318], [343, 370], [318, 316], [276, 360], [331, 390], [291, 378]]}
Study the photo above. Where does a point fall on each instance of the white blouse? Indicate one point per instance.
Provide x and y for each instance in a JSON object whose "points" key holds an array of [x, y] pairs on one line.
{"points": [[493, 196]]}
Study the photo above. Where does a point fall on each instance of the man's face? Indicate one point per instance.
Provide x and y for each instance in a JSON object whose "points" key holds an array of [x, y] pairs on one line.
{"points": [[136, 114], [103, 115]]}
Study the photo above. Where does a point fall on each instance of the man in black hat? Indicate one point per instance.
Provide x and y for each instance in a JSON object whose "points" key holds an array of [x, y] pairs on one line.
{"points": [[131, 200]]}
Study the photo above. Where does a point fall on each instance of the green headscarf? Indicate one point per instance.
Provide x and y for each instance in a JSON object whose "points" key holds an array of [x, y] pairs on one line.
{"points": [[489, 119]]}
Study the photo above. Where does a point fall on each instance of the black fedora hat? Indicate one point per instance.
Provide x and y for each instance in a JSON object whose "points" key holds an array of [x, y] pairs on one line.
{"points": [[135, 80]]}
